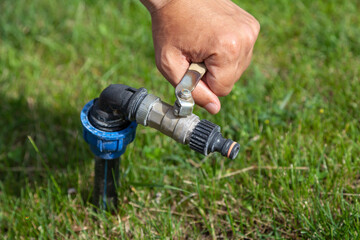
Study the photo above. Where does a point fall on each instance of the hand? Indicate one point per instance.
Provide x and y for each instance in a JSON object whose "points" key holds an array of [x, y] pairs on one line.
{"points": [[216, 32]]}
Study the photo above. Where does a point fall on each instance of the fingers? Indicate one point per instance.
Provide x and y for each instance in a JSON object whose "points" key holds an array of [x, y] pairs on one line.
{"points": [[222, 75], [223, 37], [205, 98], [173, 65], [218, 81], [221, 79]]}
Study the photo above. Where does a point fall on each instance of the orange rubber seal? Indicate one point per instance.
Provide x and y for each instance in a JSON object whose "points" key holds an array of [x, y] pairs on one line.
{"points": [[231, 147]]}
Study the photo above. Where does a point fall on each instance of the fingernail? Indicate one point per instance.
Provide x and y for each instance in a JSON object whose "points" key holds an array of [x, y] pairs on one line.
{"points": [[212, 108]]}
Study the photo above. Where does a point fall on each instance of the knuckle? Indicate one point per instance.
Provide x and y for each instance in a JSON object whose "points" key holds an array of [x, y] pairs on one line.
{"points": [[248, 32], [158, 62], [245, 38], [254, 29], [162, 60], [163, 64], [231, 45], [249, 38]]}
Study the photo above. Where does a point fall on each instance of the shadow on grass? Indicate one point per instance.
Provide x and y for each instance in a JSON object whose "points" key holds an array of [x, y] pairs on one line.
{"points": [[58, 152]]}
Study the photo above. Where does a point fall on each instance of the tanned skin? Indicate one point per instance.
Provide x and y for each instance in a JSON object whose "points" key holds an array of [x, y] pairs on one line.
{"points": [[216, 32]]}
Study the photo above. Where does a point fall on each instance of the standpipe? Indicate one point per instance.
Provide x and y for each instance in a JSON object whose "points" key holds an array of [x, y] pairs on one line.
{"points": [[110, 121]]}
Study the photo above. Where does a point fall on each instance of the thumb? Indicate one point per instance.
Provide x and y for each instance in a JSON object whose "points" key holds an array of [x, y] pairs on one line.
{"points": [[173, 65]]}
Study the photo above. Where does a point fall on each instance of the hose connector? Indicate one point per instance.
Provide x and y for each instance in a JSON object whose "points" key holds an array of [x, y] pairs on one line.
{"points": [[206, 138]]}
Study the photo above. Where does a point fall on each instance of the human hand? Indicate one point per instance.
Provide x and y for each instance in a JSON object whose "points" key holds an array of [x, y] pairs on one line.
{"points": [[216, 32]]}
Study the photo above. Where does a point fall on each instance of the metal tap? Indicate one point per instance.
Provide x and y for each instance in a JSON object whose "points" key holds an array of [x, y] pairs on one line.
{"points": [[184, 103]]}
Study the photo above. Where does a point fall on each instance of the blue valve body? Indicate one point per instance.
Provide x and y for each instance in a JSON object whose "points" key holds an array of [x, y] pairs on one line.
{"points": [[106, 145]]}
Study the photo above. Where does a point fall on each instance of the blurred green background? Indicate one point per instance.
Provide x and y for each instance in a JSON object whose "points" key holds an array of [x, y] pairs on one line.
{"points": [[294, 112]]}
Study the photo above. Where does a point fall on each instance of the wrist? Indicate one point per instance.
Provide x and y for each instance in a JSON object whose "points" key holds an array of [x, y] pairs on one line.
{"points": [[154, 5]]}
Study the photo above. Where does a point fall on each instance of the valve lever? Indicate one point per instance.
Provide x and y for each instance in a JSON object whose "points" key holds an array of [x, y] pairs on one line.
{"points": [[184, 103]]}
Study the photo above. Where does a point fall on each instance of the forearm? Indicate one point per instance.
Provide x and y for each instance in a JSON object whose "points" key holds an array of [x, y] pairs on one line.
{"points": [[153, 5]]}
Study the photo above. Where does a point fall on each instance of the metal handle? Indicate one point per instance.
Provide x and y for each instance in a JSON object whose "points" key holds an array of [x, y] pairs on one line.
{"points": [[184, 103]]}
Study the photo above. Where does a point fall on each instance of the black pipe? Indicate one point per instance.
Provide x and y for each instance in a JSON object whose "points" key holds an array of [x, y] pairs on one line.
{"points": [[106, 183], [112, 111]]}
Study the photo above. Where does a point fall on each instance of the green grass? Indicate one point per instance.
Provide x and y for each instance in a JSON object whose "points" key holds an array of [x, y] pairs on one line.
{"points": [[296, 116]]}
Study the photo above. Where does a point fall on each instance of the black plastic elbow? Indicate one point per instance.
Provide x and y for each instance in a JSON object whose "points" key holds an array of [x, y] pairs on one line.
{"points": [[116, 107]]}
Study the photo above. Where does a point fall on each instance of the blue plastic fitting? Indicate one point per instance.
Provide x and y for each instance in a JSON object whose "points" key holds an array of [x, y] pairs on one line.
{"points": [[106, 145]]}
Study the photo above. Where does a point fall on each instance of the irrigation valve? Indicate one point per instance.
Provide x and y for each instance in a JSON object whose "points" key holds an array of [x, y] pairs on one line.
{"points": [[110, 121], [119, 107]]}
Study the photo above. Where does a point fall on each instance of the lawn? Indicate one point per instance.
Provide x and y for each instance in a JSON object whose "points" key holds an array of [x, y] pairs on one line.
{"points": [[295, 112]]}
